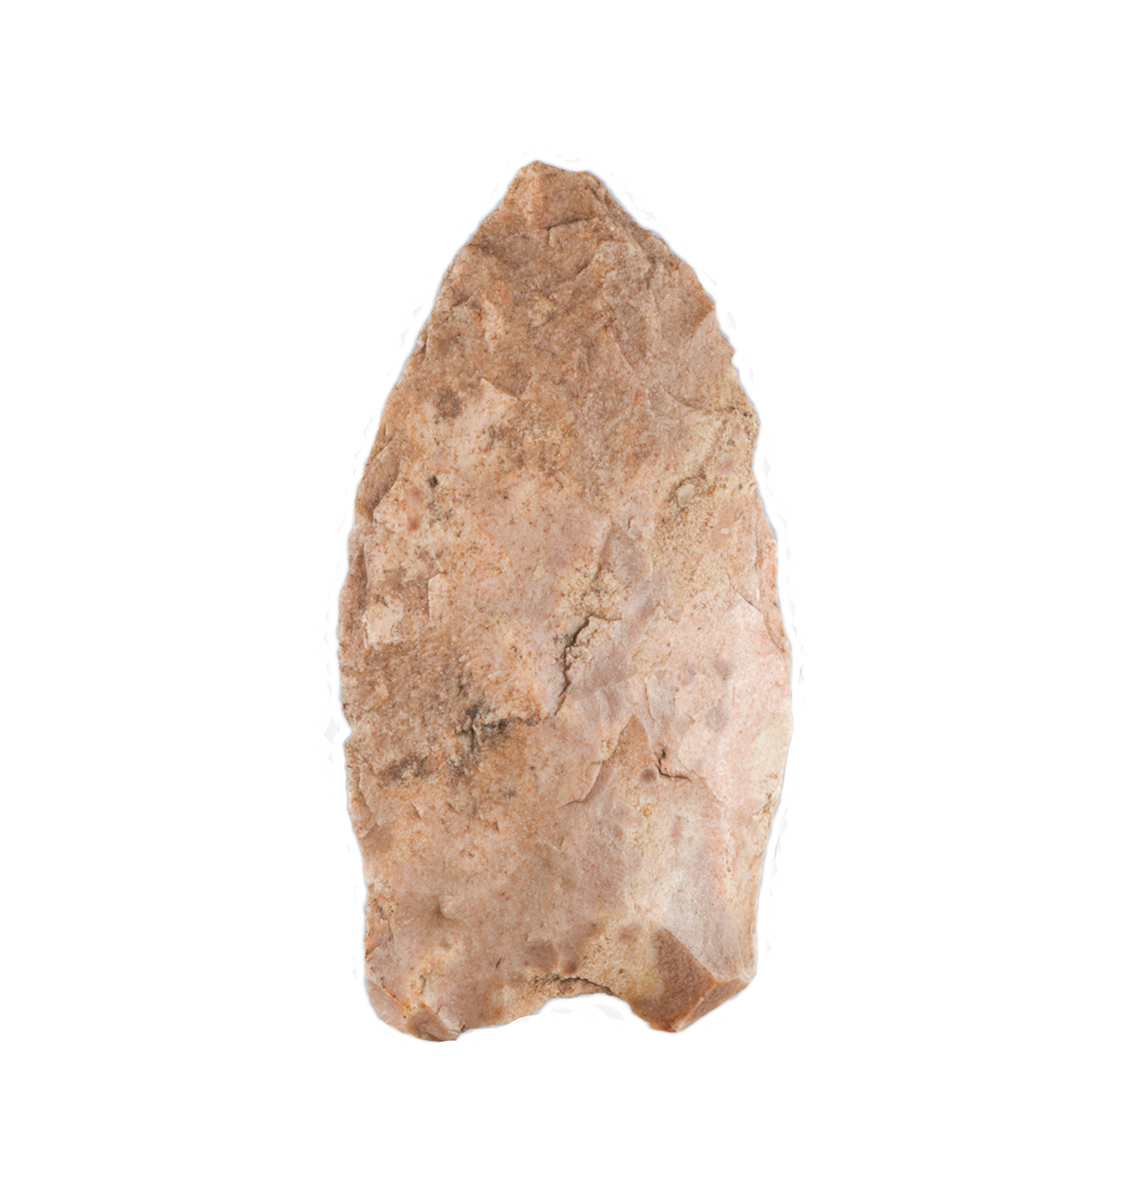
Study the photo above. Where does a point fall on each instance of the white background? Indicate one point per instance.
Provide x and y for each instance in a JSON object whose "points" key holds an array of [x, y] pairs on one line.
{"points": [[218, 223]]}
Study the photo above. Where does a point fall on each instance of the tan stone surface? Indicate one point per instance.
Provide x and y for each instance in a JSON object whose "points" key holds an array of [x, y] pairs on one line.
{"points": [[562, 657]]}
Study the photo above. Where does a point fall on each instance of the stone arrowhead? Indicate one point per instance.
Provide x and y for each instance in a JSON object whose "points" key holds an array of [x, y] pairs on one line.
{"points": [[562, 657]]}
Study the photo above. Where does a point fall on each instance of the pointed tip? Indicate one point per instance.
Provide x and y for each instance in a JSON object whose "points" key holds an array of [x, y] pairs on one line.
{"points": [[538, 167], [545, 195], [549, 175]]}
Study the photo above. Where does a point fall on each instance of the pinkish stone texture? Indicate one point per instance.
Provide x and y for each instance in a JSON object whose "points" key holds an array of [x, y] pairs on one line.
{"points": [[561, 651]]}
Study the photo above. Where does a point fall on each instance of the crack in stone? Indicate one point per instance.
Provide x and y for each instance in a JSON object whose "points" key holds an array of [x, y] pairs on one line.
{"points": [[660, 757]]}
